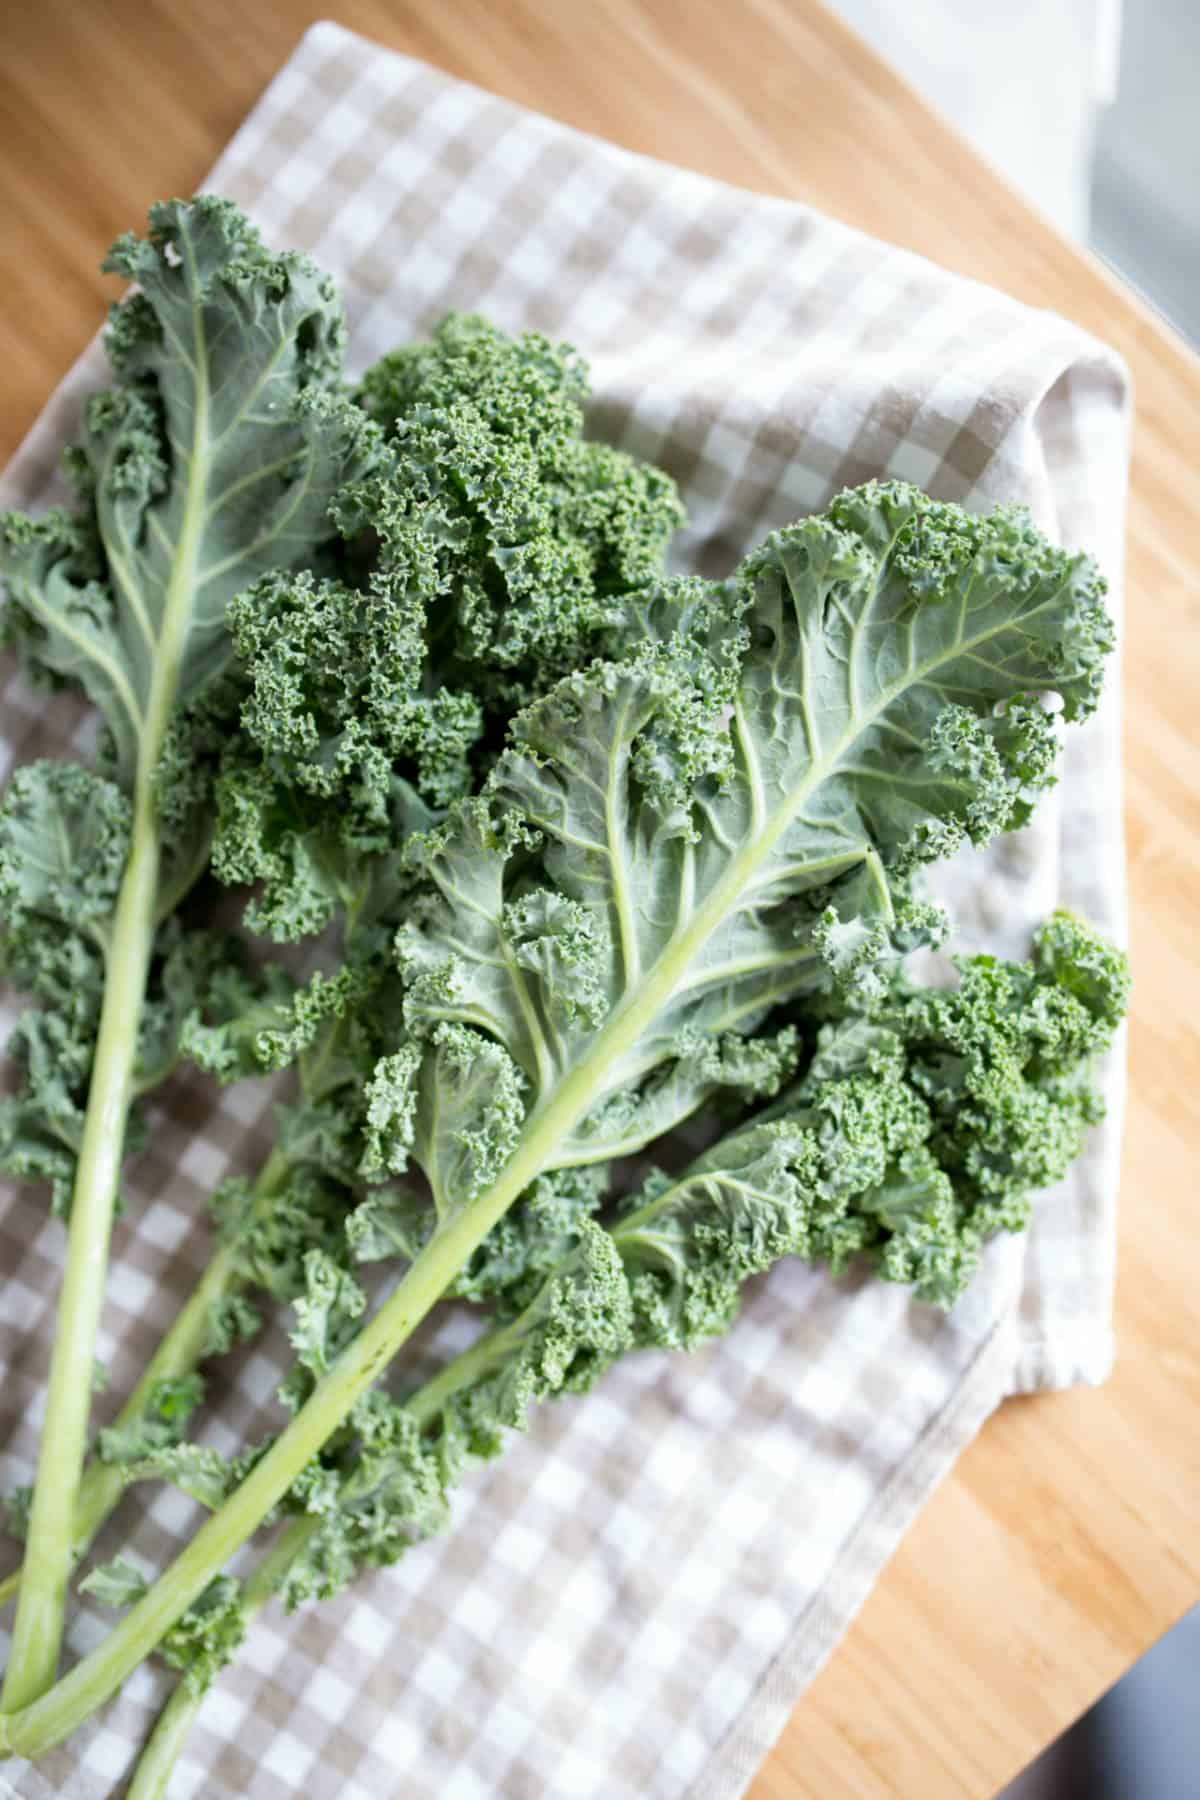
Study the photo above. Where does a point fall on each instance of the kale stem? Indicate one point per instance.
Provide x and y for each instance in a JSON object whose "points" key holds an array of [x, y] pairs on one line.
{"points": [[49, 1552], [54, 1715], [36, 1727], [37, 1636], [165, 1745], [156, 1764], [179, 1352]]}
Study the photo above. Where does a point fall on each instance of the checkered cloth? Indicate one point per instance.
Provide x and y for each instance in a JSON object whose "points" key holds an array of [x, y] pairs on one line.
{"points": [[632, 1600]]}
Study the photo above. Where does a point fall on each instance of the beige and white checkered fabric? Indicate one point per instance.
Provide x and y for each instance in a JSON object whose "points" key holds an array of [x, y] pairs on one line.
{"points": [[633, 1599]]}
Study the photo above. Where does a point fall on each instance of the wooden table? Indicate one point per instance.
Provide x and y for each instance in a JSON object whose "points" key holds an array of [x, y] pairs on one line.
{"points": [[1078, 1514]]}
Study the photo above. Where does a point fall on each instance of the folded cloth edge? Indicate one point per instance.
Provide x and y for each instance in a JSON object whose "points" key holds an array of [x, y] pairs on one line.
{"points": [[860, 1562]]}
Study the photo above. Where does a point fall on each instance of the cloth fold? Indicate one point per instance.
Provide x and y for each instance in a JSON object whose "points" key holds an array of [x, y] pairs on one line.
{"points": [[630, 1602]]}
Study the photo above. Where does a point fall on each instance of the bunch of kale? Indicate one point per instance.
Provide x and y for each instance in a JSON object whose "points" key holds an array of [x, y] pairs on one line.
{"points": [[588, 851]]}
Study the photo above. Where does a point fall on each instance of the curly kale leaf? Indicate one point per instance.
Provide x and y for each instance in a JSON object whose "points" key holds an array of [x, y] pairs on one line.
{"points": [[206, 1637], [1076, 963], [272, 1228], [863, 1156], [64, 835], [163, 1422], [118, 1583], [535, 531], [197, 1470], [41, 1125], [391, 1489], [214, 458], [325, 1312], [1004, 1064], [340, 711], [672, 846], [499, 546], [154, 1446], [250, 1018], [914, 1135], [64, 838], [788, 1186]]}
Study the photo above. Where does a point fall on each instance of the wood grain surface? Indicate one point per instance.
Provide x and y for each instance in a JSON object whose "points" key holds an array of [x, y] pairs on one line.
{"points": [[1068, 1538]]}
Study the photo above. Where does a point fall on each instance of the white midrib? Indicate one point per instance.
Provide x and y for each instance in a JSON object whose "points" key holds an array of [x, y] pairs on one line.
{"points": [[37, 1634]]}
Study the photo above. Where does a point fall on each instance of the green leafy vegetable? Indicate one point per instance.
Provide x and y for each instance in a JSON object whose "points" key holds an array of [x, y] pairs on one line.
{"points": [[606, 853], [536, 533], [164, 1420], [214, 458], [117, 1583], [505, 547], [723, 819], [202, 1640]]}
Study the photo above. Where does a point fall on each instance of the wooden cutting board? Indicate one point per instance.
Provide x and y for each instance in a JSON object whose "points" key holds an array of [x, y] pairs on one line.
{"points": [[1068, 1538]]}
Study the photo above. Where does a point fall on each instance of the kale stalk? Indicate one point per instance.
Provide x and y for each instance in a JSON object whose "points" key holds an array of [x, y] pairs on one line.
{"points": [[916, 1133], [214, 457]]}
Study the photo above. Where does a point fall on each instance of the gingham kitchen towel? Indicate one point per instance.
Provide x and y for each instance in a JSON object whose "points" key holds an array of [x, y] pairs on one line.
{"points": [[633, 1598]]}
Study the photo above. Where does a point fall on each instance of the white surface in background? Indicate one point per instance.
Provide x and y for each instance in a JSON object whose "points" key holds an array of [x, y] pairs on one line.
{"points": [[1021, 80]]}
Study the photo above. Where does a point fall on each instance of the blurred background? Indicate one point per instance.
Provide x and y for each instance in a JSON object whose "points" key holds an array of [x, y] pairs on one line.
{"points": [[1092, 110]]}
